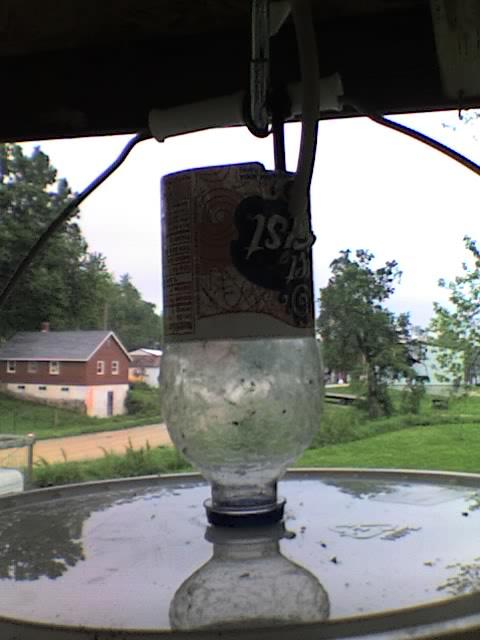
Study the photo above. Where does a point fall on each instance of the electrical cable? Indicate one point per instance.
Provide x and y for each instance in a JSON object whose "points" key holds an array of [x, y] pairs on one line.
{"points": [[309, 71], [416, 135], [66, 213]]}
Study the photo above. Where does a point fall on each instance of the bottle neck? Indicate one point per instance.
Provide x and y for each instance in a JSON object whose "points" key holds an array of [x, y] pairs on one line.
{"points": [[241, 552], [244, 498]]}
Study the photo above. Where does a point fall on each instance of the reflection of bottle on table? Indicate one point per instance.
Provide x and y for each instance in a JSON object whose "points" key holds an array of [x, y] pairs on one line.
{"points": [[248, 582]]}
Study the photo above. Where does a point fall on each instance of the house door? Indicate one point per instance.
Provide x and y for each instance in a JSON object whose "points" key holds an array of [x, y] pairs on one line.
{"points": [[109, 403]]}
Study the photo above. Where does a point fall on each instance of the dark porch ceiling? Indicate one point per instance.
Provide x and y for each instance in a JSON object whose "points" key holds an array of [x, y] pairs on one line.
{"points": [[85, 67]]}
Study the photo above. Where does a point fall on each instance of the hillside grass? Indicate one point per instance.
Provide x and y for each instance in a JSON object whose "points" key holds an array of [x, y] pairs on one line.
{"points": [[20, 417], [342, 424], [446, 440], [447, 447], [140, 462], [441, 448]]}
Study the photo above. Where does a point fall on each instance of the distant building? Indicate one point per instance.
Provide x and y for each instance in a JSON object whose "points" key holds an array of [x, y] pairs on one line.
{"points": [[145, 366], [438, 381], [85, 370]]}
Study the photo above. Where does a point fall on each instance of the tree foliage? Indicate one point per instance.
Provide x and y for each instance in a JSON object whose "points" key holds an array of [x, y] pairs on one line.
{"points": [[31, 196], [66, 285], [358, 333], [134, 320], [456, 330]]}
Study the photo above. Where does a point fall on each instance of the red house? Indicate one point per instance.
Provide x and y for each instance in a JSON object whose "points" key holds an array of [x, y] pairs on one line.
{"points": [[87, 370]]}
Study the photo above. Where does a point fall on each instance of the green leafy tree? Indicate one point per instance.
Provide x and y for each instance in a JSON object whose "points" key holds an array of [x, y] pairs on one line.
{"points": [[65, 285], [456, 330], [134, 320], [359, 333]]}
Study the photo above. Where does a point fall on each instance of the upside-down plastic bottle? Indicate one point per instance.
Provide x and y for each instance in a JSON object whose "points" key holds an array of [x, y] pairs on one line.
{"points": [[241, 374]]}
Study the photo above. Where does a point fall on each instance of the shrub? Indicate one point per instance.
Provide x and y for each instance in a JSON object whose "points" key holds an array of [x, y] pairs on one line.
{"points": [[337, 424], [412, 396], [50, 475], [133, 403], [140, 386], [144, 461], [144, 401]]}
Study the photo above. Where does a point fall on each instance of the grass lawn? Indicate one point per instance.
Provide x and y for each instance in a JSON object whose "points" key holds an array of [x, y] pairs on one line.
{"points": [[444, 447], [446, 440], [22, 417], [134, 463], [343, 389]]}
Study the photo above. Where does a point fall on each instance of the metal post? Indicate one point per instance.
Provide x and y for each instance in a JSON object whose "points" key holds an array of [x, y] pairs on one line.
{"points": [[278, 128], [259, 66], [29, 471]]}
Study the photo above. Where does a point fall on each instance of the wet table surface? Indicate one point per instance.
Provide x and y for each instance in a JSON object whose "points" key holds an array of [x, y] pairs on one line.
{"points": [[139, 554]]}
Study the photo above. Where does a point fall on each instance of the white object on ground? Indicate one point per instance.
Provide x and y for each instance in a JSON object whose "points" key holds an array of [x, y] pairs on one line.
{"points": [[11, 481]]}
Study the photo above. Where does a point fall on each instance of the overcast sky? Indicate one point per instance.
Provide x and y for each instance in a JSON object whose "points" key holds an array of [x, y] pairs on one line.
{"points": [[372, 189]]}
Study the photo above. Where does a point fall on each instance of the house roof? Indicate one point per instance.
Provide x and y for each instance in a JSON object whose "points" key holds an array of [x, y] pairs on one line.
{"points": [[153, 352], [77, 346], [145, 360], [143, 351]]}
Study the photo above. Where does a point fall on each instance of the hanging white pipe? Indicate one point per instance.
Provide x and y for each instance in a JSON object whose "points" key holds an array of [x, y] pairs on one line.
{"points": [[227, 111], [309, 71], [310, 97]]}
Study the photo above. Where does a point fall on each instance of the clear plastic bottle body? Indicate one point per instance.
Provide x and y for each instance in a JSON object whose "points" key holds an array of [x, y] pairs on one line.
{"points": [[242, 410], [241, 372]]}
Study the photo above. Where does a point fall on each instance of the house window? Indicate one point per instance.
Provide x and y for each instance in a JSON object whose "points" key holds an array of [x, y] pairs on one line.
{"points": [[100, 367], [65, 388], [32, 367], [11, 366], [42, 388], [115, 367], [54, 367], [21, 387]]}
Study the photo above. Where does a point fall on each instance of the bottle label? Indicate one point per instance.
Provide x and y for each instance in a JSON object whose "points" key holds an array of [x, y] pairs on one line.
{"points": [[234, 264]]}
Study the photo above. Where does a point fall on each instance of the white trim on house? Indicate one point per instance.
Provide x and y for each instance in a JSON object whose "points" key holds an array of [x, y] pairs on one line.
{"points": [[54, 367], [10, 368]]}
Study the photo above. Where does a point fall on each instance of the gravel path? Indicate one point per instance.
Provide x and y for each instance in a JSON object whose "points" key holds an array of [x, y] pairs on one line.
{"points": [[91, 445]]}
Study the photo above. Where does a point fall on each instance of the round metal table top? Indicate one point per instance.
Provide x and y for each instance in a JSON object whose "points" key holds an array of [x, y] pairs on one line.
{"points": [[138, 554]]}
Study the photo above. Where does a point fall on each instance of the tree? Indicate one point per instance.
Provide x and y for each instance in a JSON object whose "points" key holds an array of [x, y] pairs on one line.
{"points": [[457, 330], [134, 320], [359, 333], [65, 285]]}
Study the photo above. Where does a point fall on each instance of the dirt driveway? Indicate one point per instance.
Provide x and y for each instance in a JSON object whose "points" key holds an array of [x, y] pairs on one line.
{"points": [[90, 446]]}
